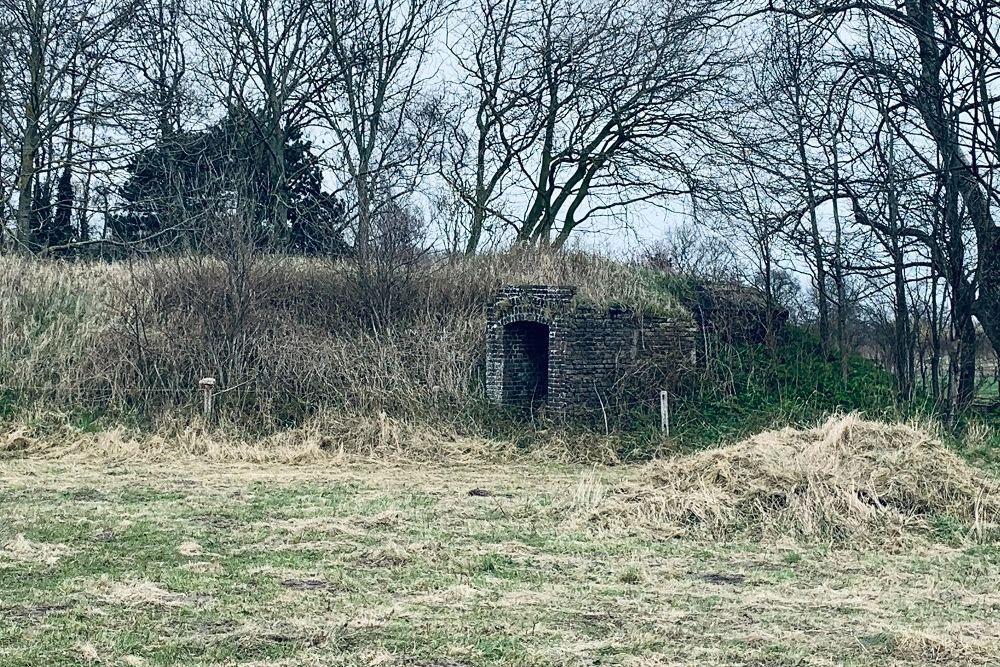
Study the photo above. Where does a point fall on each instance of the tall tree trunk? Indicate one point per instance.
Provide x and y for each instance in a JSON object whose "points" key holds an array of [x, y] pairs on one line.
{"points": [[769, 305], [816, 244], [538, 221], [278, 184], [935, 332], [963, 296], [838, 269], [481, 196], [362, 239], [83, 211], [987, 306], [62, 221], [929, 104], [26, 180], [31, 141], [965, 331], [903, 343], [901, 329]]}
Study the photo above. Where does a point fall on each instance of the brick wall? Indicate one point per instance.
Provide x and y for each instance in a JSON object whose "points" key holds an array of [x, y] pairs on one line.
{"points": [[593, 354], [545, 305]]}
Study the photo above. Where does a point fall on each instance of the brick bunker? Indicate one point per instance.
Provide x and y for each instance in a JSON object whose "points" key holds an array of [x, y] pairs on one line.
{"points": [[544, 347]]}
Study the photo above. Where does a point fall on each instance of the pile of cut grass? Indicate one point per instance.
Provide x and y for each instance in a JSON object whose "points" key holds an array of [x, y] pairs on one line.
{"points": [[847, 481]]}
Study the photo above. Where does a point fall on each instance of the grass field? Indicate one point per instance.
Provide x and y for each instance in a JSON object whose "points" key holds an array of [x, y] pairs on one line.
{"points": [[355, 564]]}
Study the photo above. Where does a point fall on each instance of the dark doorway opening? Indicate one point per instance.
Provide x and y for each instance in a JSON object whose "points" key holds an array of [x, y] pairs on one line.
{"points": [[525, 363]]}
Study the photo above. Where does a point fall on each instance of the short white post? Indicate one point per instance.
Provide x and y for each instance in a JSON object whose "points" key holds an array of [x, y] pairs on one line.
{"points": [[207, 386], [665, 413]]}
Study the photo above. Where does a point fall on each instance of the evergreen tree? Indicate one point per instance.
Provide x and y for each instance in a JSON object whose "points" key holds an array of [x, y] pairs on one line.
{"points": [[177, 185], [61, 231], [50, 223]]}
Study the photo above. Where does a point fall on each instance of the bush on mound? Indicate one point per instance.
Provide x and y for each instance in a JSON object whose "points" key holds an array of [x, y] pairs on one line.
{"points": [[847, 480]]}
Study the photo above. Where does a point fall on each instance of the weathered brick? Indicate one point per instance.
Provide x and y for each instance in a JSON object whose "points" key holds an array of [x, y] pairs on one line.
{"points": [[543, 348]]}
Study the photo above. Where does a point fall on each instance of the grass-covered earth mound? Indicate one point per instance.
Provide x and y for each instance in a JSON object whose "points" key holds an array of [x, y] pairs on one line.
{"points": [[306, 355], [284, 336]]}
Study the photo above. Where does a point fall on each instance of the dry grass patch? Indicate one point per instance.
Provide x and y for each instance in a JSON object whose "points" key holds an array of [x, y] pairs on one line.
{"points": [[24, 550], [190, 548], [847, 480], [139, 593], [17, 442], [328, 436], [202, 567]]}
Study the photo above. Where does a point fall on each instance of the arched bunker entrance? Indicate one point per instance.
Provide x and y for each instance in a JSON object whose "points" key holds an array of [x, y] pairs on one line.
{"points": [[526, 363]]}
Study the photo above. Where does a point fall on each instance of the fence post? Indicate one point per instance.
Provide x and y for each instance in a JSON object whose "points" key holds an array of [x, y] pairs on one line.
{"points": [[207, 386], [665, 413]]}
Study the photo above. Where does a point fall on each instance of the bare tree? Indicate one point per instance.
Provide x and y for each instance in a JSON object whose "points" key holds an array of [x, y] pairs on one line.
{"points": [[266, 62], [939, 59], [8, 168], [749, 206], [156, 61], [57, 49], [687, 250], [791, 107], [488, 132], [585, 110], [380, 111]]}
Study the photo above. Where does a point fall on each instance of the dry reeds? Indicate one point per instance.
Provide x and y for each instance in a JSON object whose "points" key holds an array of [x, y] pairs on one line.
{"points": [[849, 480], [51, 317]]}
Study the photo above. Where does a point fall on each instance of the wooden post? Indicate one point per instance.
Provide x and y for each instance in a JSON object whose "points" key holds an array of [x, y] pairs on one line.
{"points": [[207, 386], [665, 413]]}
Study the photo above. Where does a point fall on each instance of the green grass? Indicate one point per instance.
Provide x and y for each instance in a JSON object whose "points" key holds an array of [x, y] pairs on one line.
{"points": [[750, 388], [332, 564], [745, 389]]}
